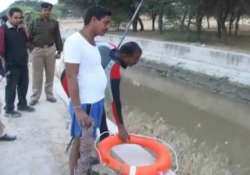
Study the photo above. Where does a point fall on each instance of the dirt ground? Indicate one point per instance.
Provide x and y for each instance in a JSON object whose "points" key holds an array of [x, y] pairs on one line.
{"points": [[41, 140]]}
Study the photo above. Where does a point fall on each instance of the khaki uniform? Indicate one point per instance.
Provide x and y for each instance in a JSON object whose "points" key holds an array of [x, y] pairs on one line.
{"points": [[43, 60], [1, 124], [1, 128], [46, 40]]}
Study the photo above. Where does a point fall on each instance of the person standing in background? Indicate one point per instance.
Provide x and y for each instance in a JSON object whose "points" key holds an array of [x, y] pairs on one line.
{"points": [[47, 45], [13, 50], [3, 135]]}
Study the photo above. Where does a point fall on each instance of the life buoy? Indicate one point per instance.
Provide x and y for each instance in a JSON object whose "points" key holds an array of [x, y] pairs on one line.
{"points": [[163, 160]]}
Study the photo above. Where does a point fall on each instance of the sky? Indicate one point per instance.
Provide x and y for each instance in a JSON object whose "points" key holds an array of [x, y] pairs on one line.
{"points": [[5, 3]]}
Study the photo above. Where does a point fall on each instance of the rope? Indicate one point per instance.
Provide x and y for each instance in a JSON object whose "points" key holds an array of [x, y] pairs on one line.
{"points": [[169, 146]]}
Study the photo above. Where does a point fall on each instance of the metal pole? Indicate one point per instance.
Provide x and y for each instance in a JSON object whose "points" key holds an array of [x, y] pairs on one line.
{"points": [[130, 22]]}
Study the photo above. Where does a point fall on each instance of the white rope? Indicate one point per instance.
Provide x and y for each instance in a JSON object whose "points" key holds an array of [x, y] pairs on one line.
{"points": [[175, 155], [97, 140], [168, 145], [132, 170]]}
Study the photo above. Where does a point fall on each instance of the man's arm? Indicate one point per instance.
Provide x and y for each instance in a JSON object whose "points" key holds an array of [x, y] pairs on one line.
{"points": [[116, 104], [2, 67], [71, 74], [31, 30], [25, 30], [31, 34], [2, 51], [2, 42], [58, 39]]}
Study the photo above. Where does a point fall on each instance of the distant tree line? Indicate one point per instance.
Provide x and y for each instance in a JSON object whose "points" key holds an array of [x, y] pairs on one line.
{"points": [[183, 14]]}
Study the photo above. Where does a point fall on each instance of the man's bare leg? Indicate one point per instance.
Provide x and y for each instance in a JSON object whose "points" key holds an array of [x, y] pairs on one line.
{"points": [[74, 155]]}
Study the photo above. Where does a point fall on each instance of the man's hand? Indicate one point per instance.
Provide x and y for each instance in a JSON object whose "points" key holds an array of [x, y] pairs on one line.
{"points": [[83, 118], [24, 27], [58, 55], [123, 134], [2, 61], [2, 67]]}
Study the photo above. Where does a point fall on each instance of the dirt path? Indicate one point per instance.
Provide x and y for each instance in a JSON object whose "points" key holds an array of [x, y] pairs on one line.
{"points": [[42, 136]]}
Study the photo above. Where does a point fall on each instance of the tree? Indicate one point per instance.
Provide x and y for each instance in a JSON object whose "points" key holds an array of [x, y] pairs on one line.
{"points": [[151, 9], [181, 13], [137, 19]]}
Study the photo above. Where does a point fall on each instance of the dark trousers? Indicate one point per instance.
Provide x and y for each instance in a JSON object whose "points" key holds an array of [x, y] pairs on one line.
{"points": [[104, 126], [17, 81]]}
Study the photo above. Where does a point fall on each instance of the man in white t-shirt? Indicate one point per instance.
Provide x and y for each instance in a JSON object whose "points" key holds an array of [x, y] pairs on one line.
{"points": [[86, 77]]}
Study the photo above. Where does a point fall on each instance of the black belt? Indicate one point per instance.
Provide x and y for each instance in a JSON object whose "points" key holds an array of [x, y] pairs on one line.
{"points": [[45, 45]]}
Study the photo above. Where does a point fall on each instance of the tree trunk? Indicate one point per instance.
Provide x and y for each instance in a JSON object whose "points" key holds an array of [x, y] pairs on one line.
{"points": [[224, 28], [141, 24], [231, 21], [199, 24], [208, 22], [237, 23], [219, 27], [153, 21], [189, 22], [183, 20], [223, 22], [160, 22], [220, 17], [135, 26]]}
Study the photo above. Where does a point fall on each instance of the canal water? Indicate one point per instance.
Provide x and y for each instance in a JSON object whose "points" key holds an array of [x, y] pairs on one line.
{"points": [[209, 132]]}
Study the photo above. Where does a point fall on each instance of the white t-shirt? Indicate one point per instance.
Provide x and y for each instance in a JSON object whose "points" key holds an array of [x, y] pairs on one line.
{"points": [[91, 77]]}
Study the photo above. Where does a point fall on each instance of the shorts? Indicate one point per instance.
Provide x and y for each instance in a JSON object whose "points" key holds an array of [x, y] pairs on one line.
{"points": [[95, 111]]}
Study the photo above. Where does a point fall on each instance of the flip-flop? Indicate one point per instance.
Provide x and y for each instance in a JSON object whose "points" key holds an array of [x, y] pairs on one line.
{"points": [[7, 137]]}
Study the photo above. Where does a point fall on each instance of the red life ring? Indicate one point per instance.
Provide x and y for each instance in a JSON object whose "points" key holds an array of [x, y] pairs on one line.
{"points": [[163, 160]]}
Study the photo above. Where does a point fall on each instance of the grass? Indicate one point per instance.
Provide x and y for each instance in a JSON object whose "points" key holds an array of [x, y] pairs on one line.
{"points": [[239, 43], [194, 157]]}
